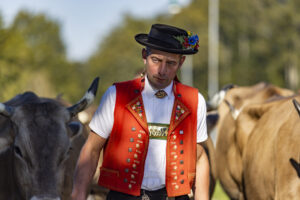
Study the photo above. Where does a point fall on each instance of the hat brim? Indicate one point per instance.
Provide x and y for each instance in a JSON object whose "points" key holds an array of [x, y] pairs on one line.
{"points": [[144, 40]]}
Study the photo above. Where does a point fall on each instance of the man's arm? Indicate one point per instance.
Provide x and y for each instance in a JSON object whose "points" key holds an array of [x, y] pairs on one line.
{"points": [[86, 165], [202, 175]]}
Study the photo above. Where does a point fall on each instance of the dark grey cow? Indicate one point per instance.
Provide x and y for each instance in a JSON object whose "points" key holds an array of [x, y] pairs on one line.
{"points": [[39, 146]]}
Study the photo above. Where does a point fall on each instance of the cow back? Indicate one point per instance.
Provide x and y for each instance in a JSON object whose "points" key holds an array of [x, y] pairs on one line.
{"points": [[268, 173]]}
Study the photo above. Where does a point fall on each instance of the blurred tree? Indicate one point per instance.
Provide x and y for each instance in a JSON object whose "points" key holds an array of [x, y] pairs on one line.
{"points": [[259, 41], [284, 40], [47, 51], [32, 57], [14, 59], [194, 17], [119, 56]]}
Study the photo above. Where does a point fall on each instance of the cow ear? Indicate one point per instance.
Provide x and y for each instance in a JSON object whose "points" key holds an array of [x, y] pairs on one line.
{"points": [[6, 136], [76, 129], [211, 120], [5, 143]]}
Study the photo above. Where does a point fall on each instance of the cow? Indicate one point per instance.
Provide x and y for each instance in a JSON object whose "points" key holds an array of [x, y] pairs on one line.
{"points": [[271, 168], [39, 146], [211, 121], [233, 129], [95, 192]]}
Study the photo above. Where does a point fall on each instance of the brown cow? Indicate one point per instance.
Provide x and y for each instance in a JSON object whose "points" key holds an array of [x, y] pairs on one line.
{"points": [[211, 121], [233, 129], [271, 158], [39, 146]]}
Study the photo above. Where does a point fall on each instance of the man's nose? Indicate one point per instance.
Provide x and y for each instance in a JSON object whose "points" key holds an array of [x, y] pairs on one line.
{"points": [[162, 68]]}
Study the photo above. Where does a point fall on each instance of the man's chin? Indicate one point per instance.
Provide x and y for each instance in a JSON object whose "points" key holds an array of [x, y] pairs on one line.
{"points": [[161, 85]]}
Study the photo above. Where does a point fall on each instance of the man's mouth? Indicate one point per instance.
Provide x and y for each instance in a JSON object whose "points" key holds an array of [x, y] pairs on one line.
{"points": [[158, 78]]}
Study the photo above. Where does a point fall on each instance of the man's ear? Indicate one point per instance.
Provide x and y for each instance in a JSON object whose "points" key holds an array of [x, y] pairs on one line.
{"points": [[182, 59]]}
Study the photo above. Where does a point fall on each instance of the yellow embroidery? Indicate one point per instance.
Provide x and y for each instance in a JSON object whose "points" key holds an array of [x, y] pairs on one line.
{"points": [[158, 131]]}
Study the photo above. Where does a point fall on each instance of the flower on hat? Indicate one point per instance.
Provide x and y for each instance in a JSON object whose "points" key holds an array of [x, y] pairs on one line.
{"points": [[190, 41]]}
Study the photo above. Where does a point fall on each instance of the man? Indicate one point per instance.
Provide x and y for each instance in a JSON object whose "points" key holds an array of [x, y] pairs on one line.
{"points": [[152, 128]]}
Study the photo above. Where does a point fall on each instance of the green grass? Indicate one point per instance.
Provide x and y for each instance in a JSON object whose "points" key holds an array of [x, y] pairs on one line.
{"points": [[219, 194]]}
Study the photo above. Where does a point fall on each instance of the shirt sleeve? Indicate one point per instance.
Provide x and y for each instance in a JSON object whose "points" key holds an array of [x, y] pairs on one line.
{"points": [[103, 119], [201, 119]]}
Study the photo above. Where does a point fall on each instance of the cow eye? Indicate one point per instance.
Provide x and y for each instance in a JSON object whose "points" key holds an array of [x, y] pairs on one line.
{"points": [[18, 151]]}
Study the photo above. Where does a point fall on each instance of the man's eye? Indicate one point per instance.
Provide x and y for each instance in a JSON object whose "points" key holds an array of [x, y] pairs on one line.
{"points": [[154, 60], [171, 63]]}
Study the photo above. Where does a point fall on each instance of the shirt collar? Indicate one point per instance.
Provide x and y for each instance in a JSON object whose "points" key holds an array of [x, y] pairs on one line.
{"points": [[150, 91]]}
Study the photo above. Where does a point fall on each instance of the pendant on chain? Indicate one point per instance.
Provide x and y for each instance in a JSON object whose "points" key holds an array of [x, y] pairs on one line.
{"points": [[145, 197]]}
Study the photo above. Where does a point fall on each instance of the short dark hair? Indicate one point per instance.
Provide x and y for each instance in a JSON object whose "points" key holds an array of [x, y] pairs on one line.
{"points": [[148, 51]]}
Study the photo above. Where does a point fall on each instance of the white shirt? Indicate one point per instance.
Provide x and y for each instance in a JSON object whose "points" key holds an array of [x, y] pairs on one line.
{"points": [[157, 111]]}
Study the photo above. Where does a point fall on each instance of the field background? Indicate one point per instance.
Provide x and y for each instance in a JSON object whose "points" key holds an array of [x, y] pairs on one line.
{"points": [[219, 194]]}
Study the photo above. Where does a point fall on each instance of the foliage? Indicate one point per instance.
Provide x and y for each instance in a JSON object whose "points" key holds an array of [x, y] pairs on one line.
{"points": [[259, 41], [119, 56], [219, 194], [32, 57]]}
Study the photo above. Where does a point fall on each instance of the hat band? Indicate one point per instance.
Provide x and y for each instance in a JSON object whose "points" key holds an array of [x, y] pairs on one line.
{"points": [[165, 38]]}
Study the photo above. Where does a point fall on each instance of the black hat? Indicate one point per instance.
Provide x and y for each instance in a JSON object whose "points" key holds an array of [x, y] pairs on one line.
{"points": [[170, 39]]}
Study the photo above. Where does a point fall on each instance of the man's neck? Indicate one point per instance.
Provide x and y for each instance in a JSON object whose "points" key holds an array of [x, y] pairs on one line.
{"points": [[154, 88]]}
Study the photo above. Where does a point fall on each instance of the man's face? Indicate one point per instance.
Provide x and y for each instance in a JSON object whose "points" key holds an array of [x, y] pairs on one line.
{"points": [[161, 67]]}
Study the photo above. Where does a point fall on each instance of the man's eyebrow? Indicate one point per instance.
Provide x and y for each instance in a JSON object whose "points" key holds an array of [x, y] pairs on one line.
{"points": [[172, 60], [154, 56], [168, 59]]}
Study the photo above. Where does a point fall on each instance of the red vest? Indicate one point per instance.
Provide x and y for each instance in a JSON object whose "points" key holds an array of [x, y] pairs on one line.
{"points": [[126, 149]]}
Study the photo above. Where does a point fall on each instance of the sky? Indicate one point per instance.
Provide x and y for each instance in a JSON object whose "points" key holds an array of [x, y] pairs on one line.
{"points": [[85, 22]]}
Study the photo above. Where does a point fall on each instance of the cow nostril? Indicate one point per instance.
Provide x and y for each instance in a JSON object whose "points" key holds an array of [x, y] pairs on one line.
{"points": [[18, 151]]}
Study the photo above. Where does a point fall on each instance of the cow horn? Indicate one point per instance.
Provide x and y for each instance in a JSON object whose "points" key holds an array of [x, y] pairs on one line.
{"points": [[216, 100], [86, 100], [296, 165], [234, 112], [297, 105], [6, 110], [211, 120]]}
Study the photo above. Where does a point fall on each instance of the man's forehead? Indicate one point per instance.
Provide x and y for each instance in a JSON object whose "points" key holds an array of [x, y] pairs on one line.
{"points": [[163, 54]]}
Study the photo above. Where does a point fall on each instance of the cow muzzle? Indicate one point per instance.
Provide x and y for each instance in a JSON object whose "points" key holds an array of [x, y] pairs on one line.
{"points": [[44, 198]]}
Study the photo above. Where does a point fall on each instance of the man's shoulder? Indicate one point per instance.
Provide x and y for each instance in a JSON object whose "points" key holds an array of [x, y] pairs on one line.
{"points": [[190, 92], [184, 87], [128, 82]]}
